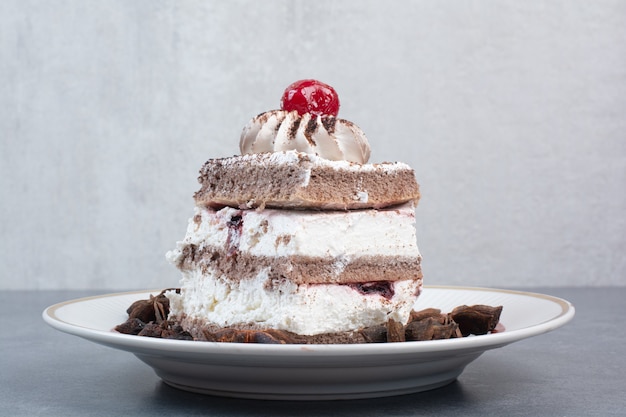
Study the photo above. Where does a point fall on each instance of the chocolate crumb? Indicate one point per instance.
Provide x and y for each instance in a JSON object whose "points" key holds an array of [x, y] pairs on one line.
{"points": [[432, 328], [374, 334], [175, 331], [395, 331], [131, 326], [477, 319], [151, 329], [424, 314]]}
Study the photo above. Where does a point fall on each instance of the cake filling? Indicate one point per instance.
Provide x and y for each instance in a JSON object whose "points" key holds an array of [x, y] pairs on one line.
{"points": [[306, 309], [302, 246]]}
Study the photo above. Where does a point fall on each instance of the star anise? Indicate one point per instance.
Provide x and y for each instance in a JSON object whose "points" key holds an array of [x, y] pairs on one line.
{"points": [[154, 309], [149, 318]]}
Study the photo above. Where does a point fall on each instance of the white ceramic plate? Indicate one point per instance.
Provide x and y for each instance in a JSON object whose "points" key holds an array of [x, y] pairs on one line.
{"points": [[315, 372]]}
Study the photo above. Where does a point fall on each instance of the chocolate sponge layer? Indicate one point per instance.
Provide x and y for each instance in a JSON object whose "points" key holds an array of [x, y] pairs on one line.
{"points": [[297, 180], [301, 269]]}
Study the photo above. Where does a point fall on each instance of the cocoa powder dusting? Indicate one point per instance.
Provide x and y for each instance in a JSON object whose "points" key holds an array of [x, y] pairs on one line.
{"points": [[309, 131], [329, 123], [293, 129]]}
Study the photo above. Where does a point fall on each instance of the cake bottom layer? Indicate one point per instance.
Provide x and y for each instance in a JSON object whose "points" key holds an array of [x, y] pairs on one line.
{"points": [[200, 330], [260, 303]]}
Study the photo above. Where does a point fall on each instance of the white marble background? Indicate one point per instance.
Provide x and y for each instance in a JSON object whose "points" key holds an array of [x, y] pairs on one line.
{"points": [[513, 114]]}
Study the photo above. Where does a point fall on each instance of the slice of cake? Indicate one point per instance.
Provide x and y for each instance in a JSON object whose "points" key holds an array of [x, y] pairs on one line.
{"points": [[299, 234]]}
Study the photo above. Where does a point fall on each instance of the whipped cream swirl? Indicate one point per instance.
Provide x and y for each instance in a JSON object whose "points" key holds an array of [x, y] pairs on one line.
{"points": [[326, 136]]}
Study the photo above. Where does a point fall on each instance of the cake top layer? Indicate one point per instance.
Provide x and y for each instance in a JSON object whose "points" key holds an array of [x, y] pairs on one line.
{"points": [[293, 179], [303, 156]]}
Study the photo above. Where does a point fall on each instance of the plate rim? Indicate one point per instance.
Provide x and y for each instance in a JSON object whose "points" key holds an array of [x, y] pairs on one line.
{"points": [[133, 343]]}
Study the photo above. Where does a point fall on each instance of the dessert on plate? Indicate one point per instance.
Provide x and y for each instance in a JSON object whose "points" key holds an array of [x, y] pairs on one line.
{"points": [[299, 239]]}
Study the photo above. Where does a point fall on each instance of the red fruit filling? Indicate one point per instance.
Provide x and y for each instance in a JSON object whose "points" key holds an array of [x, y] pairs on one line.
{"points": [[235, 225], [382, 288], [310, 96]]}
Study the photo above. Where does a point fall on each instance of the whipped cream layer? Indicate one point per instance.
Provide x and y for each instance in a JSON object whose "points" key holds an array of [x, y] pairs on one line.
{"points": [[306, 309], [275, 233], [303, 246], [326, 136]]}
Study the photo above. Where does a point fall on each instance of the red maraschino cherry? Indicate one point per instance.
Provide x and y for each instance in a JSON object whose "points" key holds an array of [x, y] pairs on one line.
{"points": [[310, 96]]}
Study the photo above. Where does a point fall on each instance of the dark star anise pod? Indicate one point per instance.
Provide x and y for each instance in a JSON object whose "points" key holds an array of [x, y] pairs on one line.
{"points": [[154, 309]]}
